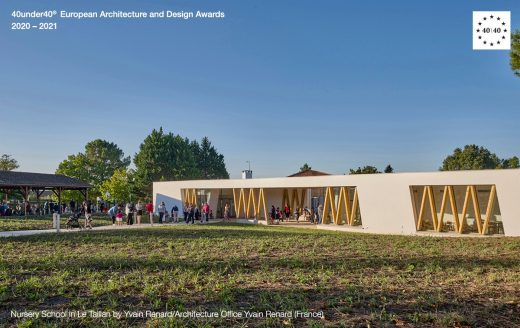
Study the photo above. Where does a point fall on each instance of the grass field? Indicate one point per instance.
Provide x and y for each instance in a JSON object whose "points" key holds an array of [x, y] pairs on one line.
{"points": [[15, 223], [355, 279]]}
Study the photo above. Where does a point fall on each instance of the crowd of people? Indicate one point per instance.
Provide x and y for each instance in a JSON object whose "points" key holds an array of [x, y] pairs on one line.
{"points": [[130, 213], [21, 208], [191, 213], [278, 215]]}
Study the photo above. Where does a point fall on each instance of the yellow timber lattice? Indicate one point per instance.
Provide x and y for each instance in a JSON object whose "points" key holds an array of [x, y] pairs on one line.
{"points": [[294, 199], [190, 196], [459, 222], [250, 203], [344, 211]]}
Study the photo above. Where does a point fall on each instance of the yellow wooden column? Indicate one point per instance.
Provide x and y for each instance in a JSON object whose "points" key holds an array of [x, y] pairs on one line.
{"points": [[462, 220], [261, 206], [235, 201], [448, 196], [343, 209], [476, 209], [355, 206], [433, 207], [251, 201], [454, 208], [421, 211], [329, 206], [294, 199], [489, 210], [303, 196]]}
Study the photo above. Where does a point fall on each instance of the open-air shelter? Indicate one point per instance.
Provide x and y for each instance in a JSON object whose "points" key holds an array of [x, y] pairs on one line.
{"points": [[26, 182]]}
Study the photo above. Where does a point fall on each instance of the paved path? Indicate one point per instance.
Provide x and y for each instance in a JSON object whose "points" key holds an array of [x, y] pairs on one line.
{"points": [[304, 225], [100, 228]]}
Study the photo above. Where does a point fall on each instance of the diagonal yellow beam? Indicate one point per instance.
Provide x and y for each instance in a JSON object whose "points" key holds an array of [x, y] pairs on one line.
{"points": [[454, 208], [261, 205], [285, 198], [303, 196], [462, 220], [328, 206], [489, 210], [235, 201], [476, 209], [433, 207], [294, 199], [355, 206], [443, 208], [251, 201], [422, 209]]}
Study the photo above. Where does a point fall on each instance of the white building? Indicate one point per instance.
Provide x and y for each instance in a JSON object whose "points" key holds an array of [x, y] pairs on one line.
{"points": [[457, 202]]}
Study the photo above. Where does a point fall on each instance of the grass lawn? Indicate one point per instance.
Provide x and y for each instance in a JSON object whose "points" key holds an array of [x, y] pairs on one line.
{"points": [[355, 279], [15, 223]]}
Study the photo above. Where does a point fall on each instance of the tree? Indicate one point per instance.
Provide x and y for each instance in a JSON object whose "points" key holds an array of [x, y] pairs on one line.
{"points": [[511, 163], [210, 163], [119, 186], [96, 165], [305, 167], [474, 157], [389, 169], [7, 163], [163, 157], [515, 52], [367, 169]]}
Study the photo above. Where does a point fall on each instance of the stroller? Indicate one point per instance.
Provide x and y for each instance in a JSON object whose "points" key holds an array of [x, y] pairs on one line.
{"points": [[73, 221]]}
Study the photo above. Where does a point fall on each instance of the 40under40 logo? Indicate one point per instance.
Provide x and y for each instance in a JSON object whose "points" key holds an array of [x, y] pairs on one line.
{"points": [[491, 30]]}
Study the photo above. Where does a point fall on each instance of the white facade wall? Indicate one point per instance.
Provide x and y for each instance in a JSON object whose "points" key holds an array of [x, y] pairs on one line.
{"points": [[385, 200]]}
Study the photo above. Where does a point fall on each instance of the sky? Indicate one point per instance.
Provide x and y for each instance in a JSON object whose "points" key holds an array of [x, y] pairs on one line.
{"points": [[337, 84]]}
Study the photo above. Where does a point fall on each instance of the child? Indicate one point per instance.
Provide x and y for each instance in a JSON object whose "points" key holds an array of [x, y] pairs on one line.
{"points": [[296, 214], [119, 217], [279, 216]]}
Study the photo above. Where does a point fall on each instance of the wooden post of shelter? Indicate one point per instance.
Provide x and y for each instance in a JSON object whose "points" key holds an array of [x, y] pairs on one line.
{"points": [[59, 200], [38, 196], [25, 194]]}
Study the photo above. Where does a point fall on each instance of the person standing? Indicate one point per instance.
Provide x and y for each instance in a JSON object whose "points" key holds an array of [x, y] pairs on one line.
{"points": [[205, 212], [287, 212], [320, 213], [112, 213], [226, 212], [119, 217], [191, 218], [88, 214], [175, 213], [185, 212], [297, 214], [128, 213], [139, 209], [197, 214], [132, 213], [273, 214], [149, 209], [161, 210], [279, 215]]}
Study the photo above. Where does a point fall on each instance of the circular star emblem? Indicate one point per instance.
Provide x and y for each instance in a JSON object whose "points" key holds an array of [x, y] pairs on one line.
{"points": [[491, 29]]}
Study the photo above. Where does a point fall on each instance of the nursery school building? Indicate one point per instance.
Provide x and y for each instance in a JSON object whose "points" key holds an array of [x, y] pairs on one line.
{"points": [[485, 202]]}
